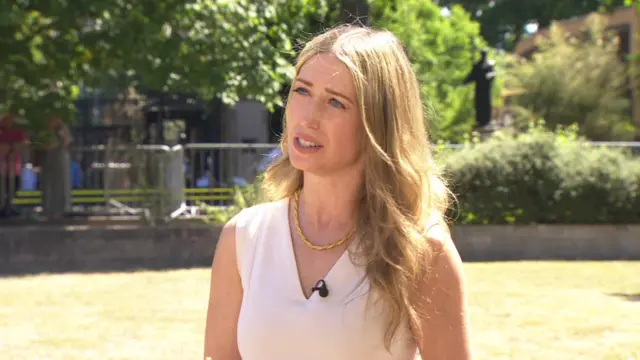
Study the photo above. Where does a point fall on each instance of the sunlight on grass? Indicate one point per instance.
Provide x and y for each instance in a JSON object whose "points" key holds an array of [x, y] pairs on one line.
{"points": [[527, 310], [555, 310]]}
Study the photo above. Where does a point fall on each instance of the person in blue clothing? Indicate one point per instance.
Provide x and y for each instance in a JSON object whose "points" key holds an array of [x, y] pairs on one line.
{"points": [[76, 174]]}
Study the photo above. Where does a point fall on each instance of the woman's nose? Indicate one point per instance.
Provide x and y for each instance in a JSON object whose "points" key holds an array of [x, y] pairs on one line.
{"points": [[312, 115]]}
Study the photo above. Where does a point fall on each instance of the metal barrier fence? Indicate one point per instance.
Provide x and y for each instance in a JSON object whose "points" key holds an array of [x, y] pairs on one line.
{"points": [[101, 179], [213, 170], [155, 180]]}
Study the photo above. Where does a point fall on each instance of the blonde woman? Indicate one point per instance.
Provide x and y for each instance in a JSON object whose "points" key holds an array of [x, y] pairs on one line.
{"points": [[350, 258]]}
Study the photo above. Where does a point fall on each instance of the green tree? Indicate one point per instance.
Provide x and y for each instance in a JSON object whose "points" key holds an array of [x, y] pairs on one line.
{"points": [[303, 19], [503, 22], [580, 81], [443, 48], [231, 48], [355, 10], [41, 60], [636, 57]]}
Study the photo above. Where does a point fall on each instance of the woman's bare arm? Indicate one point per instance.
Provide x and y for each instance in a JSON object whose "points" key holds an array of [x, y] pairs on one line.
{"points": [[445, 325], [225, 297]]}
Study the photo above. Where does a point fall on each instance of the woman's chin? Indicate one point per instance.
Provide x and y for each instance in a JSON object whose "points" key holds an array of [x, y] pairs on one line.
{"points": [[302, 166], [305, 165]]}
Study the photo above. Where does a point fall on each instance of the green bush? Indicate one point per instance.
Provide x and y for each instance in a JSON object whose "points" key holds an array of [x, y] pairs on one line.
{"points": [[543, 177], [580, 80], [242, 198]]}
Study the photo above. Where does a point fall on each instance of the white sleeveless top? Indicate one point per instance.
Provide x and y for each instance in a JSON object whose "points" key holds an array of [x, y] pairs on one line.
{"points": [[277, 322]]}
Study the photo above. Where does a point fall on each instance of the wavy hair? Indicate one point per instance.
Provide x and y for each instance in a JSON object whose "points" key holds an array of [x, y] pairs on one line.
{"points": [[402, 189]]}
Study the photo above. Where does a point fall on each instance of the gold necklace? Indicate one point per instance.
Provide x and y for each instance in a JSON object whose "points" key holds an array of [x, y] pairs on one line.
{"points": [[304, 238]]}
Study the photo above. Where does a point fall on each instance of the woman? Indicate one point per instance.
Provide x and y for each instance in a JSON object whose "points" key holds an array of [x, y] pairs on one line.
{"points": [[351, 258]]}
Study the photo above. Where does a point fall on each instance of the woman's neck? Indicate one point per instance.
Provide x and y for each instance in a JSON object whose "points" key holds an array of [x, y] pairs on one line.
{"points": [[329, 202]]}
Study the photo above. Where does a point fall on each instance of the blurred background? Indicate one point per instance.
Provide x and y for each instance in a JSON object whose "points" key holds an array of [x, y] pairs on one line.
{"points": [[131, 130]]}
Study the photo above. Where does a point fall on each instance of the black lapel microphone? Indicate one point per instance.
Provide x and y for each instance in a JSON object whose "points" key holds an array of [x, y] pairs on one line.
{"points": [[321, 286]]}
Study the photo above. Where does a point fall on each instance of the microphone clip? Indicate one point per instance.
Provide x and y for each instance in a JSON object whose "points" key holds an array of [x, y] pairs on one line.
{"points": [[322, 289]]}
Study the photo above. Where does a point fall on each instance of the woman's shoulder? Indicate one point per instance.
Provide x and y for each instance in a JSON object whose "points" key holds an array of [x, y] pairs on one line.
{"points": [[265, 212], [262, 209], [252, 224]]}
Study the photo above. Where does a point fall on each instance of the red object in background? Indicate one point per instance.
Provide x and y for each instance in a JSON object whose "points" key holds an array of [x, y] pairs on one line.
{"points": [[11, 135]]}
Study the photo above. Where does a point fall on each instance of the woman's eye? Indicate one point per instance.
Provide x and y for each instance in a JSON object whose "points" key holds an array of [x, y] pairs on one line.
{"points": [[337, 104], [301, 91]]}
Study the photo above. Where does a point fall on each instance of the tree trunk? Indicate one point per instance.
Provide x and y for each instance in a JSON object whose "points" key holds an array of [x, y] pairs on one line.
{"points": [[56, 183]]}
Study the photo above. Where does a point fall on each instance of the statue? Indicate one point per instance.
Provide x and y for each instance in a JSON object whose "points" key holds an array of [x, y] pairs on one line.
{"points": [[482, 74]]}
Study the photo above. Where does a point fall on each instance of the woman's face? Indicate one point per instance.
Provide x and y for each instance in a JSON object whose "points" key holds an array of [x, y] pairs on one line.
{"points": [[324, 126]]}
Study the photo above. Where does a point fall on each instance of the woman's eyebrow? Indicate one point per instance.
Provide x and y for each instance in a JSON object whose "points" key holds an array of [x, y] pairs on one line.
{"points": [[329, 90]]}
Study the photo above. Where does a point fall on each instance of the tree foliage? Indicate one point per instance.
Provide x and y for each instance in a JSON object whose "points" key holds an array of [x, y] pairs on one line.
{"points": [[503, 21], [228, 48], [577, 81], [303, 19], [232, 48], [636, 57], [443, 48]]}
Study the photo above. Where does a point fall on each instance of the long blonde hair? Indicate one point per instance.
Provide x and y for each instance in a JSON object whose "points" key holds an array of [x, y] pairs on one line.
{"points": [[402, 191]]}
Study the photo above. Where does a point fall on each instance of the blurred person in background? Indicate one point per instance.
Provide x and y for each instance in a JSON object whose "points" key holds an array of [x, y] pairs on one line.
{"points": [[13, 140]]}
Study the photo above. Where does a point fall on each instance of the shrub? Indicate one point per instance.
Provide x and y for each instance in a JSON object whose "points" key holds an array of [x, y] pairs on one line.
{"points": [[242, 198], [581, 80], [543, 177]]}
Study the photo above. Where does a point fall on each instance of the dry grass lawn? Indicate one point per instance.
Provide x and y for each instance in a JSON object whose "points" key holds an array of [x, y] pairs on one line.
{"points": [[520, 310]]}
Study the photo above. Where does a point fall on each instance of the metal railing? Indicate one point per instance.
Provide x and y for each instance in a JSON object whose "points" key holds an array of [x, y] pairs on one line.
{"points": [[143, 179], [221, 164], [152, 180]]}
